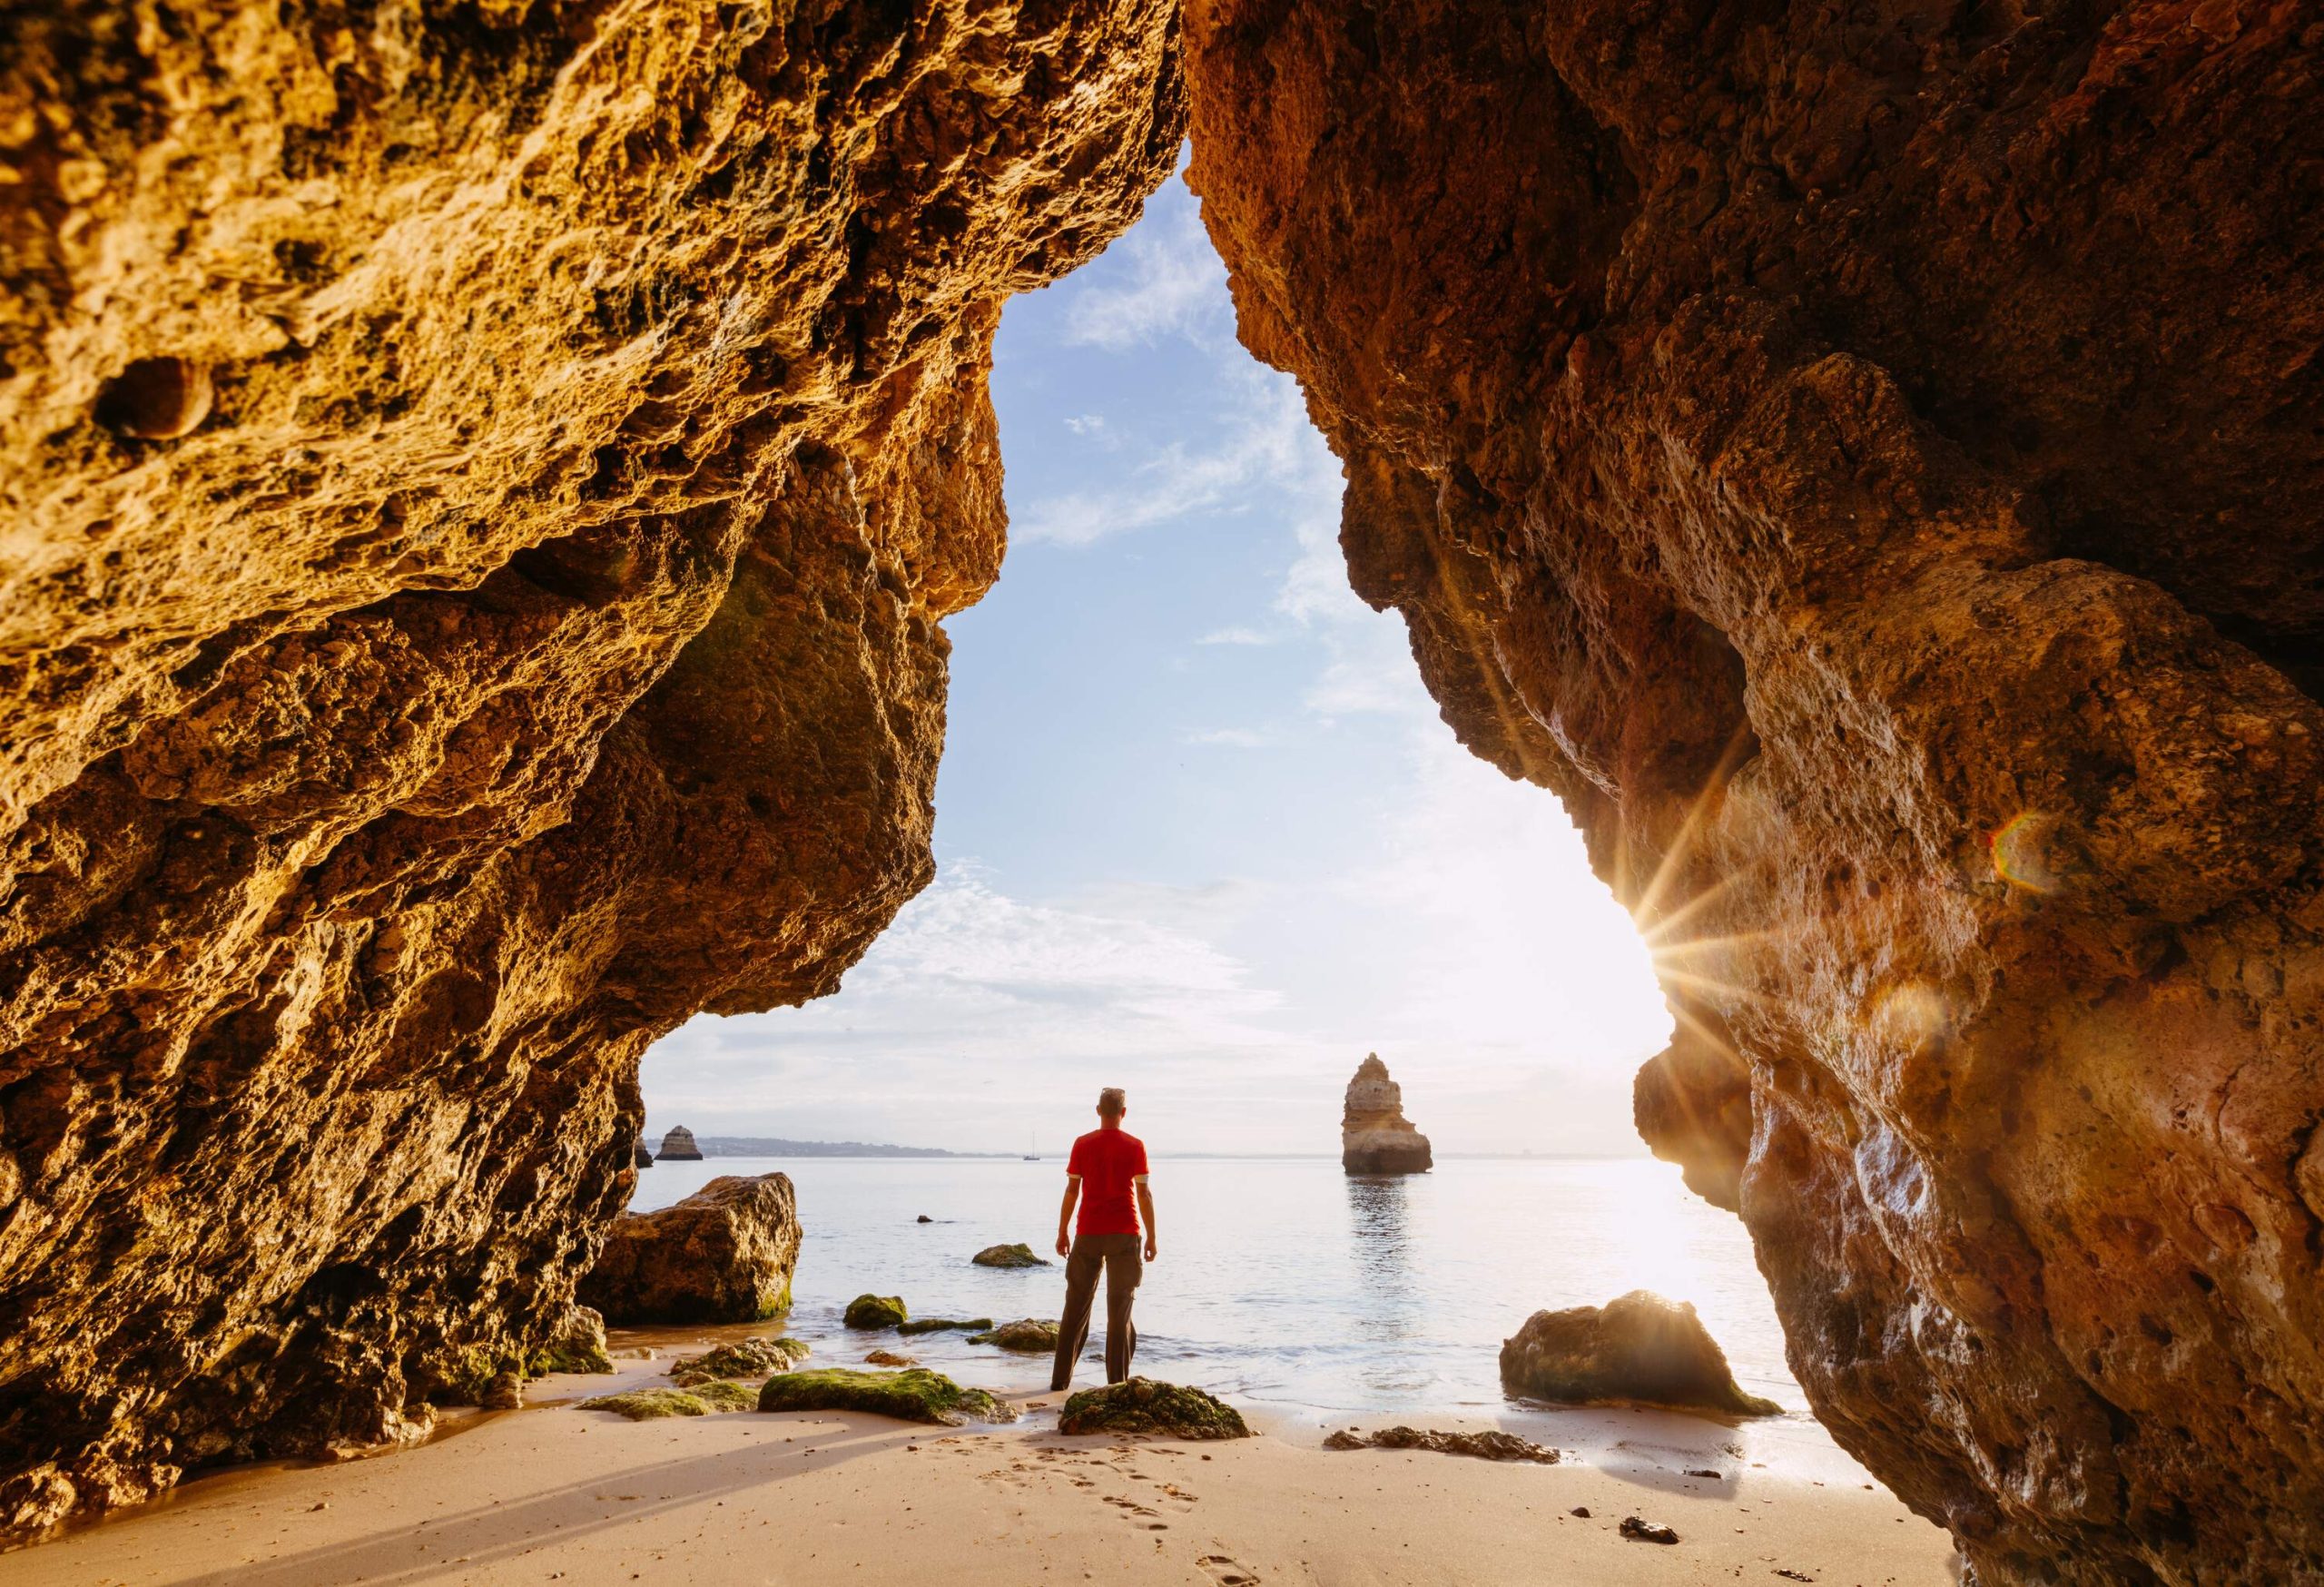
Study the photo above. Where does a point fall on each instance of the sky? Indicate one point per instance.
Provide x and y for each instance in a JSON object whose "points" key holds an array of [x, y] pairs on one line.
{"points": [[1200, 830]]}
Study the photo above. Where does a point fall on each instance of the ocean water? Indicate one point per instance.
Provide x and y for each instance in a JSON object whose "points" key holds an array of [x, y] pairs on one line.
{"points": [[1281, 1282]]}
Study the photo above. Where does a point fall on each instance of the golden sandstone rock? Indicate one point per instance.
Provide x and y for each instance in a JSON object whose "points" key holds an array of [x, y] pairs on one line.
{"points": [[478, 488], [1866, 461], [1375, 1138]]}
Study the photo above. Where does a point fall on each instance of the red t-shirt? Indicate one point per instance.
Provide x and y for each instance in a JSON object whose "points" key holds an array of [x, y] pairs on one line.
{"points": [[1106, 1161]]}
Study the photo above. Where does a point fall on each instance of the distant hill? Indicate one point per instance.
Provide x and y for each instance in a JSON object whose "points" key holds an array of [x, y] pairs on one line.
{"points": [[761, 1146]]}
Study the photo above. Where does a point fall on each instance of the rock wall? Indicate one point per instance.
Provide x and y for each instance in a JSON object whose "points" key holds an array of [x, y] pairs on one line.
{"points": [[1866, 461], [481, 483]]}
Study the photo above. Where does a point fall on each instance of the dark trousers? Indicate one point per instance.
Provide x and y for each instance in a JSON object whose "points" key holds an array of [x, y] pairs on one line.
{"points": [[1118, 1256]]}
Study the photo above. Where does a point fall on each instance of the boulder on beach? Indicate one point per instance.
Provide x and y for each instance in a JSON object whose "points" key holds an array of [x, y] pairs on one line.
{"points": [[647, 1405], [1145, 1404], [575, 1344], [917, 1395], [1639, 1349], [678, 1147], [753, 1357], [1375, 1138], [875, 1311], [1488, 1445], [724, 1255], [1017, 1256], [941, 1325], [1030, 1335]]}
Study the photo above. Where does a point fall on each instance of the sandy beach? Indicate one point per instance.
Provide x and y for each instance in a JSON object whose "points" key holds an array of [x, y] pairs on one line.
{"points": [[552, 1493]]}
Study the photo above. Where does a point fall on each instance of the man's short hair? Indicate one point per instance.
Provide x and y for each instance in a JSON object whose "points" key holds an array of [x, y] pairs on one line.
{"points": [[1111, 1102]]}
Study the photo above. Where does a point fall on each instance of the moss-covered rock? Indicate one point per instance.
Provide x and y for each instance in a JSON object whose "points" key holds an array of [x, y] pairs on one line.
{"points": [[703, 1399], [917, 1396], [1016, 1255], [1030, 1334], [576, 1344], [753, 1357], [937, 1324], [1143, 1404], [875, 1311]]}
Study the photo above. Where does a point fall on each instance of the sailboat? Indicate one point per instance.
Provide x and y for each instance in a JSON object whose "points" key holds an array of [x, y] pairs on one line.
{"points": [[1032, 1149]]}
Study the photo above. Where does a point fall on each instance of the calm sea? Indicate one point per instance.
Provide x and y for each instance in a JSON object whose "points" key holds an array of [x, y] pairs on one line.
{"points": [[1282, 1282]]}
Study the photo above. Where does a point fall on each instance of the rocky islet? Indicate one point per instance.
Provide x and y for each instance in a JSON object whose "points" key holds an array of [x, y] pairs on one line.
{"points": [[1375, 1138]]}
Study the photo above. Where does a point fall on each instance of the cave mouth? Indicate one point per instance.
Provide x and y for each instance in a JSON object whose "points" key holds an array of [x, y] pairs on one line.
{"points": [[1201, 832]]}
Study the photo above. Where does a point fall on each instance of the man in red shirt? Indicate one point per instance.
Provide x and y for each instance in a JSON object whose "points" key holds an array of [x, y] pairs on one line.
{"points": [[1107, 1164]]}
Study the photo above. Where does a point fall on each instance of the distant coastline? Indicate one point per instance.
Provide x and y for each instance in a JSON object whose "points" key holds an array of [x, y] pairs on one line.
{"points": [[762, 1146]]}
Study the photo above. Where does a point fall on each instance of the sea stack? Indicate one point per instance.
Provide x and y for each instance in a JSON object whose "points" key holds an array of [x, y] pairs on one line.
{"points": [[642, 1156], [678, 1147], [1375, 1138]]}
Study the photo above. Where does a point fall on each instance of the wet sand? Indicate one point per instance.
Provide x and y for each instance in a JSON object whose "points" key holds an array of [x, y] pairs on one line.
{"points": [[555, 1493]]}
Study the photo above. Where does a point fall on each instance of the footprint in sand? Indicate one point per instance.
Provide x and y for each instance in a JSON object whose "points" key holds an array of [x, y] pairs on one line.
{"points": [[1225, 1572]]}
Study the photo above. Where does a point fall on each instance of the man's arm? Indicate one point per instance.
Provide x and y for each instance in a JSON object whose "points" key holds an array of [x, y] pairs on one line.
{"points": [[1065, 1214], [1146, 1207]]}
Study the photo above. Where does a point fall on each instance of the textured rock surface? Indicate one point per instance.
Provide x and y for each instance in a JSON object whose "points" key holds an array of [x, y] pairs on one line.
{"points": [[1017, 1256], [1031, 1336], [478, 485], [754, 1358], [678, 1145], [1866, 461], [576, 1344], [724, 1255], [1638, 1348], [1375, 1138], [1490, 1444], [1146, 1406]]}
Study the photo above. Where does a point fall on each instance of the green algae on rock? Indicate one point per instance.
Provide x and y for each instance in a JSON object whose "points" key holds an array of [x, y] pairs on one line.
{"points": [[754, 1357], [1025, 1334], [915, 1396], [1637, 1349], [941, 1325], [1144, 1404], [1019, 1254], [577, 1345], [647, 1405], [875, 1311]]}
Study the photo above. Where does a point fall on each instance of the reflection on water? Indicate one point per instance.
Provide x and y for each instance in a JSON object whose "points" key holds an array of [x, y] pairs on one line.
{"points": [[1388, 1299]]}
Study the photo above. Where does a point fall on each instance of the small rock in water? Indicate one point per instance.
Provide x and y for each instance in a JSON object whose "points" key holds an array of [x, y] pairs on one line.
{"points": [[875, 1311], [923, 1218], [889, 1358], [1017, 1256], [1703, 1472], [1030, 1334], [936, 1324], [1639, 1531]]}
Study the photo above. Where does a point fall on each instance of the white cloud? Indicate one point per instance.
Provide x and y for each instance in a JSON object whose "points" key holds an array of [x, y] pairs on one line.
{"points": [[1231, 738], [1236, 637], [1086, 423], [1264, 446], [1176, 287]]}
